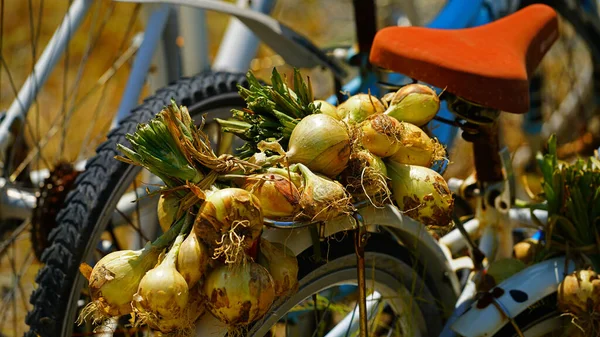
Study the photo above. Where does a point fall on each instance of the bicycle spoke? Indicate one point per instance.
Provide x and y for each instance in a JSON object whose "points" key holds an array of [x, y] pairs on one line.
{"points": [[14, 235], [131, 224]]}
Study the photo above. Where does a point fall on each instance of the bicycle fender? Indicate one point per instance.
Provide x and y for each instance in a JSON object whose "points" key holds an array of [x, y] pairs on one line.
{"points": [[514, 295], [294, 48]]}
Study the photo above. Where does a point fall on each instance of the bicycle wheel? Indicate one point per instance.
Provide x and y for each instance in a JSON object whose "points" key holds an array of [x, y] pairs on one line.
{"points": [[88, 225], [38, 169]]}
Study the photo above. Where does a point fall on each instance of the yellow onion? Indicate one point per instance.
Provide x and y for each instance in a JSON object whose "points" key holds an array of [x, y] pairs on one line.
{"points": [[320, 142], [281, 264], [579, 292], [229, 222], [296, 178], [192, 260], [322, 198], [239, 294], [168, 205], [278, 196], [182, 325], [114, 281], [366, 175], [502, 269], [414, 103], [163, 292], [327, 108], [525, 251], [381, 134], [358, 107], [417, 148], [421, 193]]}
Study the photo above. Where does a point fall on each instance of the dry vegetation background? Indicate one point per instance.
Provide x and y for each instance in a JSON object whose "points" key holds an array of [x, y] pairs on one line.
{"points": [[27, 27]]}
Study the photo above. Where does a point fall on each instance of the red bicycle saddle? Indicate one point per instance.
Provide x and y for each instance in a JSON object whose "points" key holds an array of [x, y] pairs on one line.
{"points": [[489, 65]]}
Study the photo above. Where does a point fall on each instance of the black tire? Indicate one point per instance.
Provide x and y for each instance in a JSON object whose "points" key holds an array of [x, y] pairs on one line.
{"points": [[78, 221]]}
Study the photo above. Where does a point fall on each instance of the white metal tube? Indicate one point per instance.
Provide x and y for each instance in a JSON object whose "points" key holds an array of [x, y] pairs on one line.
{"points": [[455, 241], [350, 322], [43, 67], [193, 30]]}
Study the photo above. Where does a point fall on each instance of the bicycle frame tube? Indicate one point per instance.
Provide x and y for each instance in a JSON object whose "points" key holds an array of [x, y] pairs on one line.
{"points": [[43, 67]]}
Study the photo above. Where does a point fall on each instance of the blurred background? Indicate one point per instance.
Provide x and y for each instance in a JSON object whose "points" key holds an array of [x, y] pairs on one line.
{"points": [[84, 89]]}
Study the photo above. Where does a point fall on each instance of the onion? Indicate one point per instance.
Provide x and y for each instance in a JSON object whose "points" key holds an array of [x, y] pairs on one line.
{"points": [[414, 103], [182, 325], [381, 134], [229, 222], [366, 175], [281, 264], [579, 292], [421, 193], [293, 176], [502, 269], [525, 251], [162, 293], [192, 259], [114, 281], [327, 109], [417, 148], [320, 142], [239, 294], [322, 198], [278, 196], [168, 206], [358, 107]]}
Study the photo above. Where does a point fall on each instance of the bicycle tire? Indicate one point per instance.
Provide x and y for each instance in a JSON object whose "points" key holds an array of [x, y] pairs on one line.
{"points": [[77, 221]]}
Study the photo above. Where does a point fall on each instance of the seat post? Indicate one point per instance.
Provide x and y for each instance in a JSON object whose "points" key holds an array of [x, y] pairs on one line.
{"points": [[486, 153], [365, 19]]}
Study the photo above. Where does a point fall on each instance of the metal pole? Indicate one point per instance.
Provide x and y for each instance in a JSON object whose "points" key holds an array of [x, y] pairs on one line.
{"points": [[360, 241], [194, 35]]}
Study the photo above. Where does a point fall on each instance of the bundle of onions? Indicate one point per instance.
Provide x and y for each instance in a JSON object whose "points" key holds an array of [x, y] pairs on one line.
{"points": [[192, 260], [115, 278], [421, 193], [366, 175], [320, 142], [281, 264], [579, 293], [417, 148], [322, 198], [279, 197], [414, 103], [168, 206], [358, 107], [162, 295], [229, 222], [239, 294], [327, 109], [381, 135]]}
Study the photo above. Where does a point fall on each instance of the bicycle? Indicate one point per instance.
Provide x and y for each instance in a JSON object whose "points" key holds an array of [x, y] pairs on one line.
{"points": [[69, 235]]}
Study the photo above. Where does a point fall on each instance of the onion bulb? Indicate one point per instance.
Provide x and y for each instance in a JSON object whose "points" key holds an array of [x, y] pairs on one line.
{"points": [[322, 198], [281, 264], [182, 325], [414, 103], [229, 222], [502, 269], [358, 107], [327, 108], [168, 206], [114, 281], [421, 193], [579, 292], [239, 294], [278, 196], [381, 134], [320, 142], [366, 175], [296, 178], [417, 148], [163, 292], [192, 259], [525, 251]]}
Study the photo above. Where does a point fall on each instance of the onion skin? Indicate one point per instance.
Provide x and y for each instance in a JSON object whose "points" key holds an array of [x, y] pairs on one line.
{"points": [[417, 148], [366, 174], [114, 279], [421, 193], [278, 196], [322, 198], [320, 142], [239, 295], [167, 208], [525, 251], [192, 259], [358, 107], [327, 109], [282, 265], [414, 103], [579, 292], [381, 135], [295, 177], [229, 210]]}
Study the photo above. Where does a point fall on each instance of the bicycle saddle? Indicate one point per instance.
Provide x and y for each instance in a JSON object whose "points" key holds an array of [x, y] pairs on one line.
{"points": [[489, 65]]}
